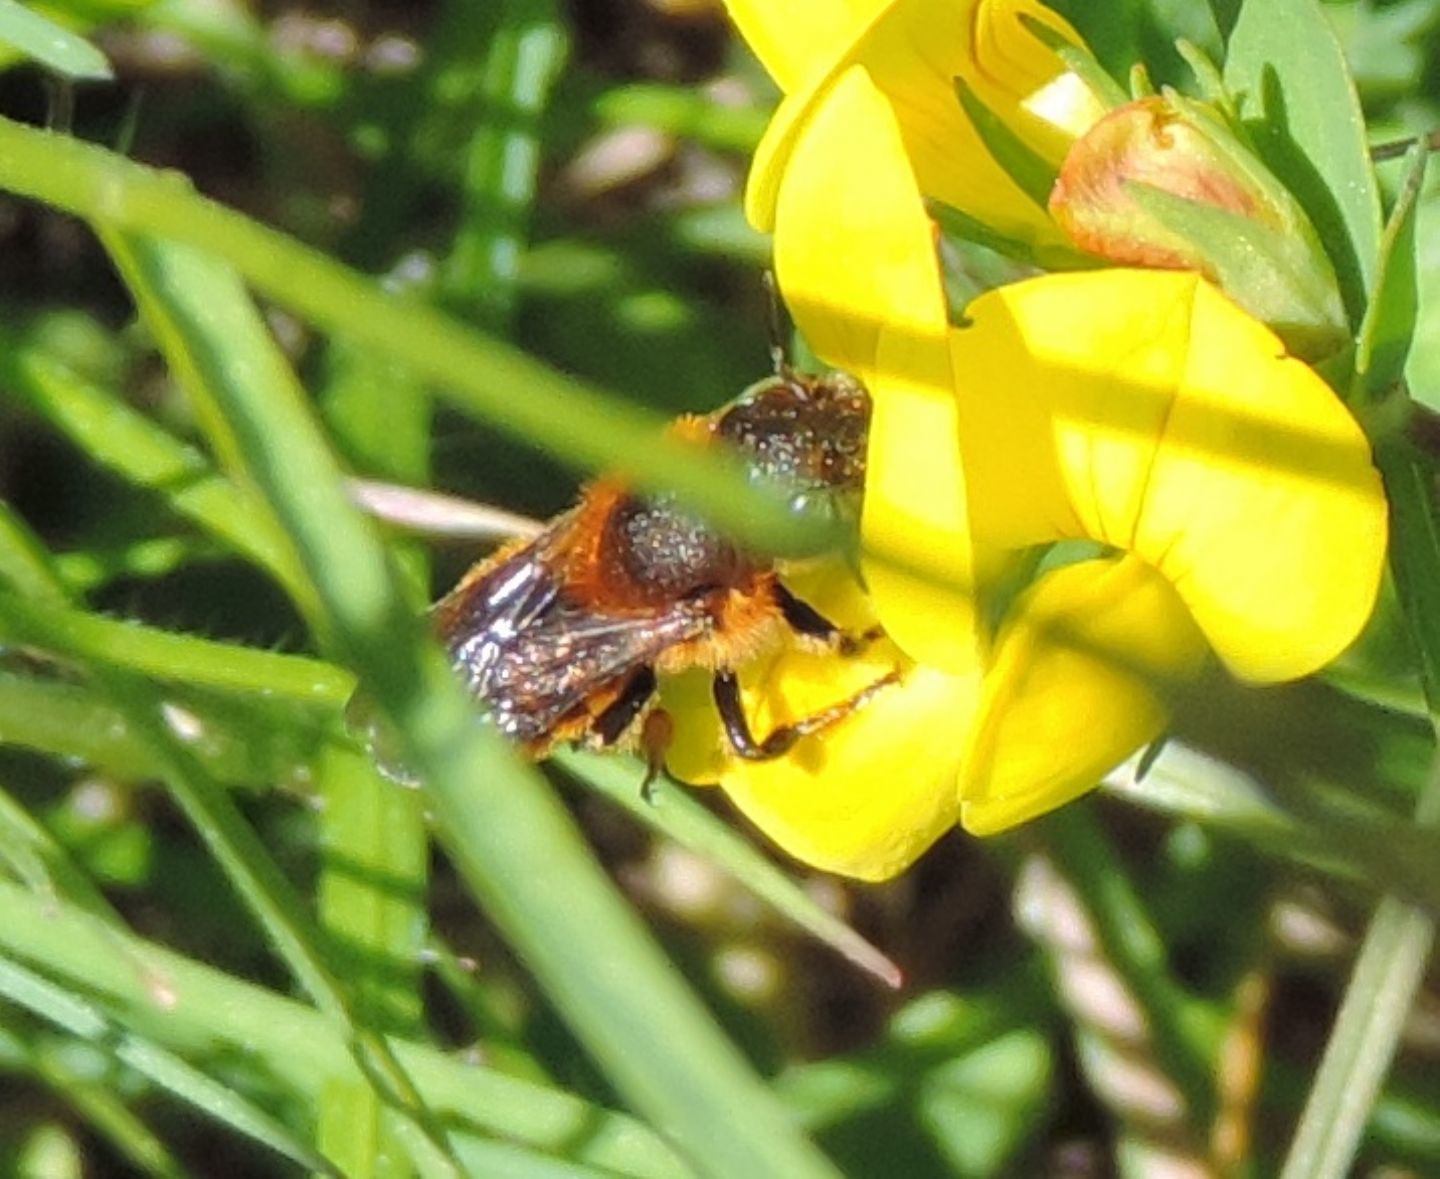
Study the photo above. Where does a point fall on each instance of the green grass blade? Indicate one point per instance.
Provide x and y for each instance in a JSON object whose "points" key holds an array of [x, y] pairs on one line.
{"points": [[49, 1058], [480, 376], [52, 45], [189, 1007], [622, 998], [165, 655], [67, 1009], [675, 813], [371, 901]]}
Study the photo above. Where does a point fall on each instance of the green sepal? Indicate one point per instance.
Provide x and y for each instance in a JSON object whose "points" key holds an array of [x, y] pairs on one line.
{"points": [[1032, 174], [1267, 272], [1383, 342]]}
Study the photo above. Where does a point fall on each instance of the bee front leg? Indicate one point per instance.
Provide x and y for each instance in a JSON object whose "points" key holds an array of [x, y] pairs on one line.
{"points": [[779, 742], [804, 619]]}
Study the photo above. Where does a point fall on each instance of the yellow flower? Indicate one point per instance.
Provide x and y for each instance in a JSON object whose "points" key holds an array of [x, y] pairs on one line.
{"points": [[1237, 511], [1230, 496]]}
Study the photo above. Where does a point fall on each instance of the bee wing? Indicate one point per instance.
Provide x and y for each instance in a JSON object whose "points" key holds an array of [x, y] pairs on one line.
{"points": [[533, 678], [532, 653]]}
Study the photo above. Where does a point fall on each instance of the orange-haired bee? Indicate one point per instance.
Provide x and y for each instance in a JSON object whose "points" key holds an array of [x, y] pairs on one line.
{"points": [[562, 637]]}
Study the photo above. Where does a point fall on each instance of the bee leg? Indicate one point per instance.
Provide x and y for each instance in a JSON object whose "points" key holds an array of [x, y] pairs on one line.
{"points": [[780, 741], [620, 713], [655, 737], [804, 619]]}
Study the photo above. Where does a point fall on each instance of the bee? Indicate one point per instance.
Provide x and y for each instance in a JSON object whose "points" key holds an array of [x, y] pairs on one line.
{"points": [[563, 637]]}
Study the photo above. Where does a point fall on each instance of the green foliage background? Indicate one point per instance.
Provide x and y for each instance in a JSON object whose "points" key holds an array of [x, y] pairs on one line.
{"points": [[226, 945]]}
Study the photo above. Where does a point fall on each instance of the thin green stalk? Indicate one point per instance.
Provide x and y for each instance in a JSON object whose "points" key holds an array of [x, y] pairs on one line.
{"points": [[165, 655], [1391, 964], [513, 843]]}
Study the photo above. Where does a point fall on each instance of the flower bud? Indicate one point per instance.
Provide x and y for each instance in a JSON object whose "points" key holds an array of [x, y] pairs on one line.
{"points": [[1163, 182]]}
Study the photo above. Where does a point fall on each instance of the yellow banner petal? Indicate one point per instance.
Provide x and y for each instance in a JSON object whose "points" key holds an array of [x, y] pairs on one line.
{"points": [[913, 51], [800, 39], [1263, 505], [1076, 686]]}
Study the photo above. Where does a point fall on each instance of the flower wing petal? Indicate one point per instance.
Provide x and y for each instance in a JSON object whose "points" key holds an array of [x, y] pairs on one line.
{"points": [[864, 797], [855, 256], [1075, 687]]}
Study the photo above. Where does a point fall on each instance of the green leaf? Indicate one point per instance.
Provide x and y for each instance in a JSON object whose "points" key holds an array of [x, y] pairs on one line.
{"points": [[1079, 60], [964, 227], [1383, 344], [51, 44], [1299, 104]]}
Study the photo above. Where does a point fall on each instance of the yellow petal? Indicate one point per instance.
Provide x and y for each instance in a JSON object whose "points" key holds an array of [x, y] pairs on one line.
{"points": [[1263, 506], [913, 50], [1145, 410], [800, 38], [1075, 688], [855, 257], [854, 248], [867, 796], [1024, 81], [917, 554]]}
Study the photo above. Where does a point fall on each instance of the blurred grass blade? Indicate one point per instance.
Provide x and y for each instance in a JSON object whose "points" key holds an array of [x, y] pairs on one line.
{"points": [[1396, 949], [67, 1009], [191, 1008], [1181, 1034], [130, 444], [524, 56], [687, 112], [656, 1043], [209, 341], [51, 45], [481, 376], [674, 813]]}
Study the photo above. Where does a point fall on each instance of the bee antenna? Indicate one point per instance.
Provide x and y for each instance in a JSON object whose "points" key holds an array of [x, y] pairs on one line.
{"points": [[779, 343]]}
